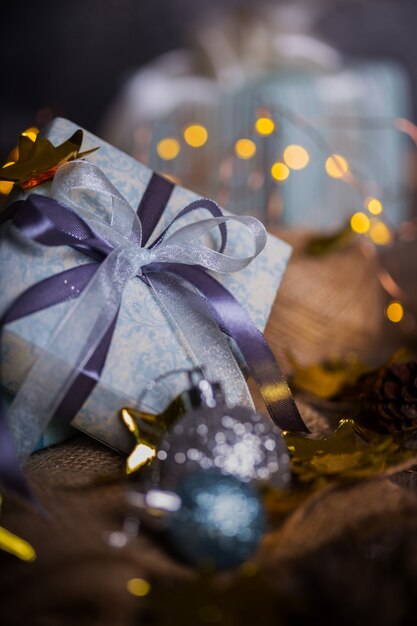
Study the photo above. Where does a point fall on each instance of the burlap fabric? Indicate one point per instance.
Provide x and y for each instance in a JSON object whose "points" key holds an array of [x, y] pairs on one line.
{"points": [[330, 306], [347, 555]]}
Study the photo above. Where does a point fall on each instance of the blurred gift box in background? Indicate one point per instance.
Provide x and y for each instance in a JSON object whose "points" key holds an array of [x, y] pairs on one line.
{"points": [[253, 113]]}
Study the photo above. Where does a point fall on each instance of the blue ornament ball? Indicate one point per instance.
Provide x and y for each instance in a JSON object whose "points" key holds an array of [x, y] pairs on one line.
{"points": [[220, 522]]}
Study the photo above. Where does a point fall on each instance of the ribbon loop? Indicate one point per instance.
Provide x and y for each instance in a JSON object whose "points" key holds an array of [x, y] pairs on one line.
{"points": [[79, 185]]}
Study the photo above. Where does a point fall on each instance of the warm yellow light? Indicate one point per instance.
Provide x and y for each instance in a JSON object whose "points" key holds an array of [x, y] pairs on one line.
{"points": [[264, 125], [394, 312], [245, 148], [138, 587], [168, 148], [195, 135], [379, 233], [360, 222], [280, 171], [31, 133], [336, 166], [373, 205], [296, 157]]}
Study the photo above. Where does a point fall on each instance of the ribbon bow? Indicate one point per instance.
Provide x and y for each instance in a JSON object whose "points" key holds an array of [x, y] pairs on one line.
{"points": [[169, 266]]}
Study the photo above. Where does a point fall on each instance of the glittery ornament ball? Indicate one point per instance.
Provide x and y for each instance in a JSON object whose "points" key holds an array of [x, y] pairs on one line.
{"points": [[220, 521], [236, 441]]}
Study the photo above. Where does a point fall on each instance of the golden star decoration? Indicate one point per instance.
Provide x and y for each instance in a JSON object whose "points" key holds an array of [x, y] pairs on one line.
{"points": [[147, 429], [326, 379], [350, 452], [38, 159]]}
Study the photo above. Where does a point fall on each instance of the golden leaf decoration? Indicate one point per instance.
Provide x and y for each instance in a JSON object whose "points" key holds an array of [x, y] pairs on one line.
{"points": [[350, 452], [38, 159], [328, 378]]}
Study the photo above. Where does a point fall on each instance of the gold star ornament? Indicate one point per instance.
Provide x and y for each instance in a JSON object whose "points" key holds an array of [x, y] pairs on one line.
{"points": [[38, 159], [147, 429]]}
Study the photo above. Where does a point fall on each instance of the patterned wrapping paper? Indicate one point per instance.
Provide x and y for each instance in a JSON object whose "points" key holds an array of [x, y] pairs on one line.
{"points": [[144, 345]]}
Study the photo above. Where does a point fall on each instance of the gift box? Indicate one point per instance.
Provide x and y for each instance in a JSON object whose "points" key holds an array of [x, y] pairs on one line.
{"points": [[146, 348], [342, 108]]}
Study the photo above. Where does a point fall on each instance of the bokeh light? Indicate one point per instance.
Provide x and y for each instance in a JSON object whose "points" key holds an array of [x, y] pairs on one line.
{"points": [[245, 148], [280, 171], [373, 205], [379, 233], [195, 135], [336, 166], [138, 587], [360, 222], [394, 311], [264, 126], [168, 148], [296, 157]]}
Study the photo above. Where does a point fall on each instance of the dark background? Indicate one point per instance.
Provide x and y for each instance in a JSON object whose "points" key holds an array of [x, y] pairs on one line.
{"points": [[70, 58]]}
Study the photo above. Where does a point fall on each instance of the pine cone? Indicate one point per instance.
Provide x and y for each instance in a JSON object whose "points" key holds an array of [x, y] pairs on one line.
{"points": [[388, 398]]}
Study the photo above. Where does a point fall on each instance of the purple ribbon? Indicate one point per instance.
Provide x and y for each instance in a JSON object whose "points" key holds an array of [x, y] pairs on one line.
{"points": [[46, 221]]}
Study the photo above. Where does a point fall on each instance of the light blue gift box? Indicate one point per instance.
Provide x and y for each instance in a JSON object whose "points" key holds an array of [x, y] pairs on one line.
{"points": [[350, 112], [144, 348]]}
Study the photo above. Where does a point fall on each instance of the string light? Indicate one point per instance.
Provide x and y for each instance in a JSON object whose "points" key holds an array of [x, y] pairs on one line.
{"points": [[265, 126], [280, 171], [245, 148], [373, 205], [360, 222], [138, 587], [394, 311], [296, 157], [195, 135], [255, 180], [336, 166], [168, 148], [379, 233]]}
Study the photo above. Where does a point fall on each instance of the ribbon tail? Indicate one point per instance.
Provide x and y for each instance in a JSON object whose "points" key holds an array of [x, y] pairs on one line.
{"points": [[69, 351], [235, 322]]}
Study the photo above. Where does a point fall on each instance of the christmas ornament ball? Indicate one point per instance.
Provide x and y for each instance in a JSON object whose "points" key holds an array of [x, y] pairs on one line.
{"points": [[236, 441], [220, 521]]}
